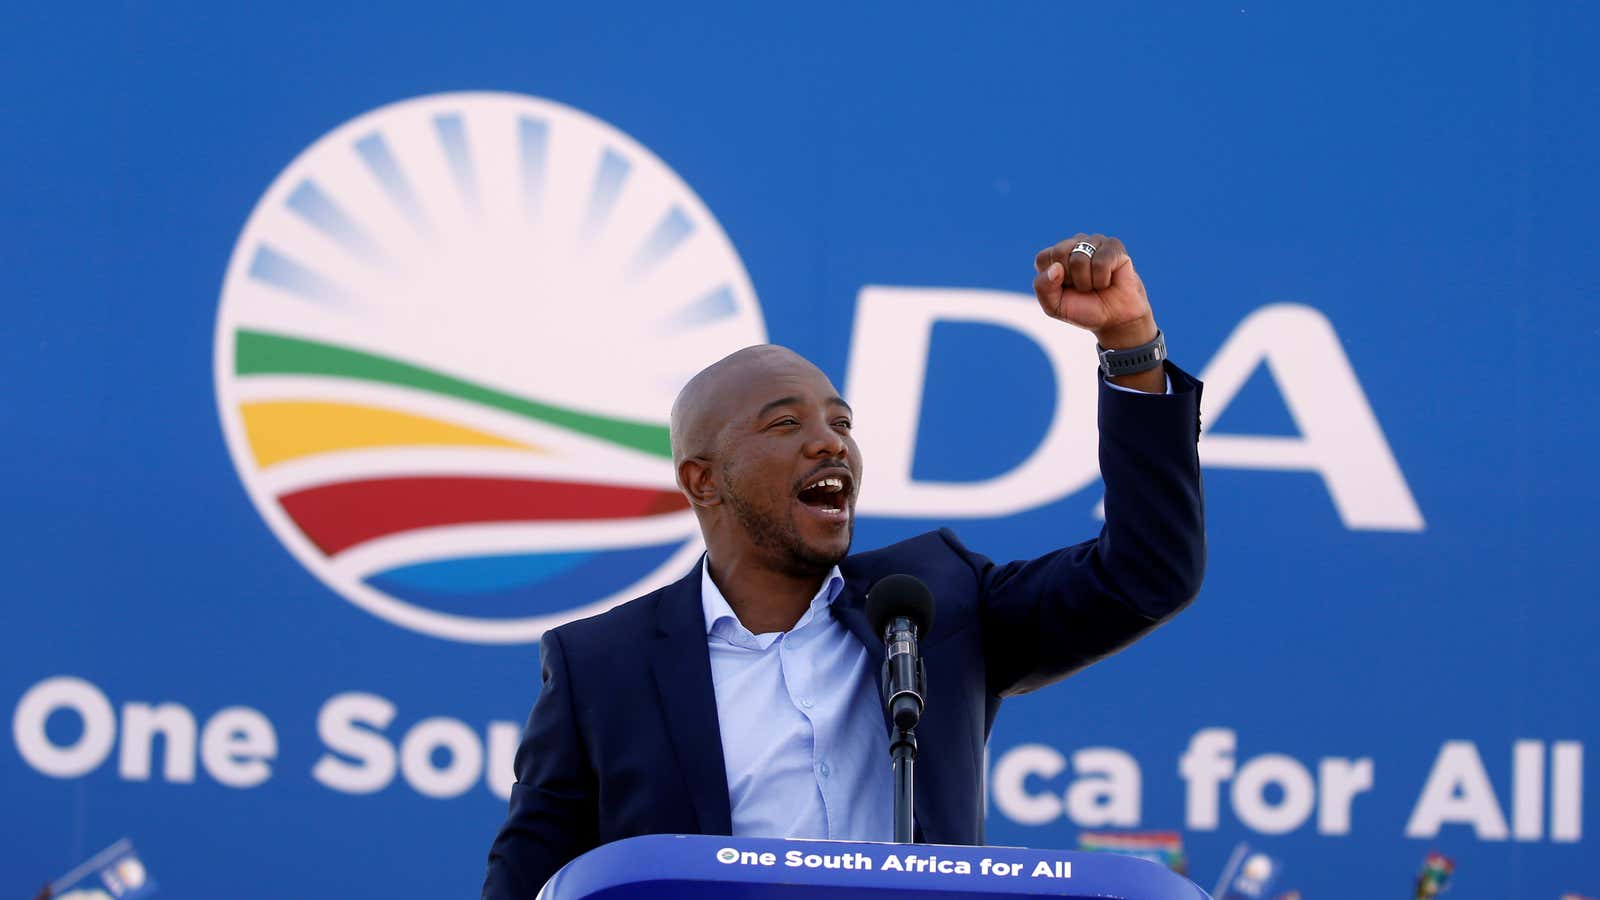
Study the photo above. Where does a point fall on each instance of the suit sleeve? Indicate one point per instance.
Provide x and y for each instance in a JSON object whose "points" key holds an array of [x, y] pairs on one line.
{"points": [[1045, 618], [554, 804]]}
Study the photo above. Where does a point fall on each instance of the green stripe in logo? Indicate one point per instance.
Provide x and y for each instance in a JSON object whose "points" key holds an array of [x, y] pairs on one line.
{"points": [[260, 353]]}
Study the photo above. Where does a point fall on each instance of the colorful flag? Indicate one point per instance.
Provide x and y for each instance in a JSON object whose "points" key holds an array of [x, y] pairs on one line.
{"points": [[114, 873], [1164, 847], [1249, 875], [1435, 876]]}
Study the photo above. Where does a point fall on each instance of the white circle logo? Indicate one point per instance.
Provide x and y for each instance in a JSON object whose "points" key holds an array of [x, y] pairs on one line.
{"points": [[448, 339]]}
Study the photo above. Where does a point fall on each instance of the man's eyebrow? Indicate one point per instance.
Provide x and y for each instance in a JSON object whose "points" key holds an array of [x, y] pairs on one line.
{"points": [[792, 400], [777, 404]]}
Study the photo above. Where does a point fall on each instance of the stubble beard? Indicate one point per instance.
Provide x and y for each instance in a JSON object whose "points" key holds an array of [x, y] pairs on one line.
{"points": [[778, 535]]}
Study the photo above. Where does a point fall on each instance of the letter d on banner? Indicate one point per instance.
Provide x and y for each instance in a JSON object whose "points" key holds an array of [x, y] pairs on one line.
{"points": [[888, 367]]}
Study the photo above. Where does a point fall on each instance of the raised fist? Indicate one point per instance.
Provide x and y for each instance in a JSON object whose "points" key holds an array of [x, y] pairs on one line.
{"points": [[1096, 290]]}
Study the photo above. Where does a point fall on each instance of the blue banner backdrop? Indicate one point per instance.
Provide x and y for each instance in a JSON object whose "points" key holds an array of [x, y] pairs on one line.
{"points": [[339, 343]]}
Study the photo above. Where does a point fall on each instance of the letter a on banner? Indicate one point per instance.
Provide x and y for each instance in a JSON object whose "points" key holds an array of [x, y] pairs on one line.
{"points": [[1339, 436]]}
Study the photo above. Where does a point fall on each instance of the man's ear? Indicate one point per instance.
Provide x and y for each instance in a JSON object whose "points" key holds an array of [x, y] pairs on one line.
{"points": [[698, 481]]}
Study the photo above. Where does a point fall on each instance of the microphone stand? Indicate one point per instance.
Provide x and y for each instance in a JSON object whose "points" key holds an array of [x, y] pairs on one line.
{"points": [[899, 607], [904, 689], [903, 754]]}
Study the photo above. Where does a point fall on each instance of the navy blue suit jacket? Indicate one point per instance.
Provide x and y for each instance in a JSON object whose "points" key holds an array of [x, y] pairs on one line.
{"points": [[623, 739]]}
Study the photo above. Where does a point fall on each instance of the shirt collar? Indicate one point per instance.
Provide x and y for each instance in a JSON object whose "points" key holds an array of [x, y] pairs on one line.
{"points": [[716, 608]]}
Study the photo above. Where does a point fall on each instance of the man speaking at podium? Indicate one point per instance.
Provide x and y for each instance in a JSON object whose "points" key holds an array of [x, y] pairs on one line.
{"points": [[744, 698]]}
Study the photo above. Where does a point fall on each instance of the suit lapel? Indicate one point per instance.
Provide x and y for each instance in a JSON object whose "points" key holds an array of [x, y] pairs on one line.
{"points": [[850, 608], [681, 665]]}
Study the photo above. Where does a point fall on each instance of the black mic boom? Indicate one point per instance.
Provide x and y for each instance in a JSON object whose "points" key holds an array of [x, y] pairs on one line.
{"points": [[900, 608]]}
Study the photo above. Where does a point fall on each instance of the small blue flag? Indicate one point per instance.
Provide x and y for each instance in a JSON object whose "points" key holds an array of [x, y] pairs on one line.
{"points": [[1249, 875], [114, 873]]}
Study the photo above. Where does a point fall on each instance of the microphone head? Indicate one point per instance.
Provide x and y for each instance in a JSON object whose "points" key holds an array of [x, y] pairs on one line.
{"points": [[900, 595]]}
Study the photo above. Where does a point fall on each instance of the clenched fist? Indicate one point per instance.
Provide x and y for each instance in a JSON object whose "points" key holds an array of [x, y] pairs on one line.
{"points": [[1101, 293]]}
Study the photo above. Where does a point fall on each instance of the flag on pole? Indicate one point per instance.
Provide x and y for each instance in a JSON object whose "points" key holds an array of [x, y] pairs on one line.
{"points": [[114, 873], [1164, 847], [1435, 876], [1249, 875]]}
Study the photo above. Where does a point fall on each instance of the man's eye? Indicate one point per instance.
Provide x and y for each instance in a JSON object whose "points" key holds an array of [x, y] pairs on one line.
{"points": [[842, 423], [786, 420]]}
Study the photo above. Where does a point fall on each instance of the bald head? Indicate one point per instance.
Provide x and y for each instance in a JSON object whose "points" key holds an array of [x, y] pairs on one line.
{"points": [[762, 447], [712, 396]]}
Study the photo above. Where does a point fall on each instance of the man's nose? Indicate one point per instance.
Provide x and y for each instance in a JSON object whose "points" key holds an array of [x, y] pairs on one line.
{"points": [[824, 441]]}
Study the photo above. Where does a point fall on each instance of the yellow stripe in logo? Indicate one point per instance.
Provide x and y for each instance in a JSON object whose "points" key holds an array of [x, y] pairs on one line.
{"points": [[282, 430]]}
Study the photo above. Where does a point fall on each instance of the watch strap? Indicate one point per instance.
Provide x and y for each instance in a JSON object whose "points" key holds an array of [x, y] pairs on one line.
{"points": [[1133, 360]]}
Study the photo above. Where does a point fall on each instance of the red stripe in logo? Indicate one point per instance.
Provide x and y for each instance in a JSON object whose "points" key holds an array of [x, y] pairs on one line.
{"points": [[339, 516]]}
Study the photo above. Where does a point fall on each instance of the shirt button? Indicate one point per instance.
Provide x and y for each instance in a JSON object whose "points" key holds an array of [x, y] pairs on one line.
{"points": [[823, 770], [806, 702]]}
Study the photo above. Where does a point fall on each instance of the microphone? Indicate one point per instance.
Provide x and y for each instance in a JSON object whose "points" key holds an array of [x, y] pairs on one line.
{"points": [[900, 608]]}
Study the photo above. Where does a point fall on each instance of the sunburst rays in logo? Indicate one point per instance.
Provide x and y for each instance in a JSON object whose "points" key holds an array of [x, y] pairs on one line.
{"points": [[448, 338]]}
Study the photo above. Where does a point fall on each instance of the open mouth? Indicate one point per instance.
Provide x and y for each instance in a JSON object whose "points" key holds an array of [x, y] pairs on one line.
{"points": [[828, 492]]}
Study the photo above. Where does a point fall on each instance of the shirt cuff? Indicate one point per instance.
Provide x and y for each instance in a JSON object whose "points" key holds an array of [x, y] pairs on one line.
{"points": [[1129, 390]]}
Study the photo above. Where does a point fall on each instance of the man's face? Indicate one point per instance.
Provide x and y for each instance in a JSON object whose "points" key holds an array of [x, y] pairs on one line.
{"points": [[790, 470]]}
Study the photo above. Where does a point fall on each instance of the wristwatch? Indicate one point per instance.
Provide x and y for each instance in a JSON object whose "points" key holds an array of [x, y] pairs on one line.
{"points": [[1133, 360]]}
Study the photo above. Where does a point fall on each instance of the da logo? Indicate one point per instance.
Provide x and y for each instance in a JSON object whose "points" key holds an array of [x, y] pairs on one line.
{"points": [[448, 339]]}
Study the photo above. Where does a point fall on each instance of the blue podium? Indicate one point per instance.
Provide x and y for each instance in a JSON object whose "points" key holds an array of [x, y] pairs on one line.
{"points": [[699, 866]]}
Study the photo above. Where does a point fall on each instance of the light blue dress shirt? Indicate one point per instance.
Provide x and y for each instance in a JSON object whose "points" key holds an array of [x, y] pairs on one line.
{"points": [[803, 736]]}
